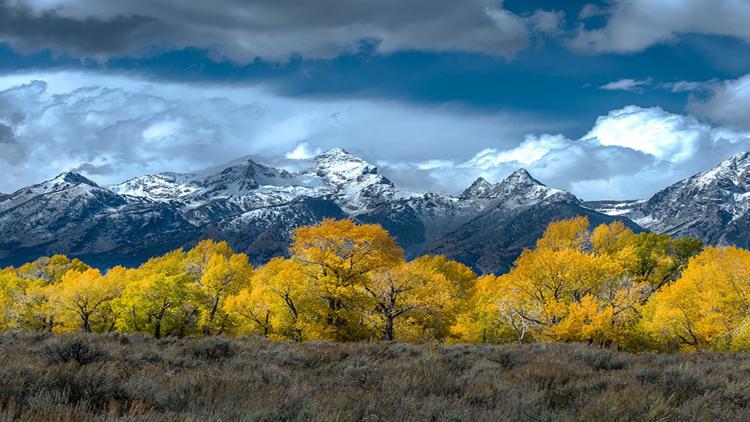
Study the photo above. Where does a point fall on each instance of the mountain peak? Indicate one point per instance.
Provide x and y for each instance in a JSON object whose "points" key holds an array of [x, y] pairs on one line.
{"points": [[735, 170], [521, 176], [335, 154], [337, 163], [479, 188], [521, 188], [72, 178], [740, 157]]}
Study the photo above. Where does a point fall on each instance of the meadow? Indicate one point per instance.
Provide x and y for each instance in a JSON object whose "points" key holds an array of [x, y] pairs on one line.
{"points": [[132, 377]]}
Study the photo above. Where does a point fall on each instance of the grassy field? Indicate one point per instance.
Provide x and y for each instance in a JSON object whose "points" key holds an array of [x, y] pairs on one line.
{"points": [[118, 377]]}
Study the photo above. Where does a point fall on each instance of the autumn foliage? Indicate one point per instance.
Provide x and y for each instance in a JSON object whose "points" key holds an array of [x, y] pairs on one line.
{"points": [[344, 281]]}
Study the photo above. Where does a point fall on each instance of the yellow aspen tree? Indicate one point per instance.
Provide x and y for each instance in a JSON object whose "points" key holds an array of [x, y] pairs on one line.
{"points": [[159, 299], [50, 270], [338, 256], [278, 304], [81, 300], [708, 307], [223, 276], [411, 301]]}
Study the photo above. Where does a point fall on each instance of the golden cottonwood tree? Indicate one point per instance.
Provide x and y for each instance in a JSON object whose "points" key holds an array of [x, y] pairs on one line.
{"points": [[159, 298], [412, 301], [81, 300], [222, 276], [338, 257], [51, 270], [708, 307], [572, 287], [278, 303], [12, 287]]}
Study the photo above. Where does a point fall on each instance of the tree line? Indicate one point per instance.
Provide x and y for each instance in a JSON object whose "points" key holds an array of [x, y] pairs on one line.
{"points": [[344, 281]]}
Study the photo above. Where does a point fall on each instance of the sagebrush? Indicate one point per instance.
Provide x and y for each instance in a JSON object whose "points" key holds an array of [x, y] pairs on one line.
{"points": [[139, 378]]}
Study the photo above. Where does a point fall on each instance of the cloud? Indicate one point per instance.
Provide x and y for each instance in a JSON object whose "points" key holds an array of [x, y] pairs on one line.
{"points": [[690, 86], [93, 169], [590, 10], [6, 134], [119, 126], [547, 22], [633, 85], [635, 25], [728, 104], [629, 153], [275, 30], [113, 127], [663, 135], [303, 151]]}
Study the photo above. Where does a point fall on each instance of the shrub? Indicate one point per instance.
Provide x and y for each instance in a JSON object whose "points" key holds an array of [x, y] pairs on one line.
{"points": [[72, 349]]}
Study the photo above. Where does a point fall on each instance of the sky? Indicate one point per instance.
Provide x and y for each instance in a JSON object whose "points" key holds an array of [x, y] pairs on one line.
{"points": [[614, 99]]}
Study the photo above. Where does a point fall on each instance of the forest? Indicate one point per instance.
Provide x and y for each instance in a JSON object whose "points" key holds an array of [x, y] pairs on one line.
{"points": [[347, 282]]}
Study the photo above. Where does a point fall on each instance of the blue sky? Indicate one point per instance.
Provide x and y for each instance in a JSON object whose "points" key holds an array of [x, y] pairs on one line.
{"points": [[589, 96]]}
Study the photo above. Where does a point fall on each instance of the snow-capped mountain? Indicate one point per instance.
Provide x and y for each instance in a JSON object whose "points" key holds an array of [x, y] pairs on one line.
{"points": [[72, 214], [255, 207], [505, 218], [349, 180], [712, 205]]}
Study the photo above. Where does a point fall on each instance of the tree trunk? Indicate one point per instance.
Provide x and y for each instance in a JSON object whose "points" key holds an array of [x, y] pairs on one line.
{"points": [[388, 333]]}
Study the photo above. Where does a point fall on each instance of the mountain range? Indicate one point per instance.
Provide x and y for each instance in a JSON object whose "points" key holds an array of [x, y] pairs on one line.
{"points": [[255, 207], [712, 205]]}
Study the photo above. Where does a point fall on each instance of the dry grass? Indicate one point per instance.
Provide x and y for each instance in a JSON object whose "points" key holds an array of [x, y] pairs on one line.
{"points": [[131, 377]]}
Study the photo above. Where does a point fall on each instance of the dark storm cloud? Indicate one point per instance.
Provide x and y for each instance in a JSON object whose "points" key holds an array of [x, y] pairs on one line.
{"points": [[635, 25], [27, 29], [6, 134], [94, 170], [269, 29]]}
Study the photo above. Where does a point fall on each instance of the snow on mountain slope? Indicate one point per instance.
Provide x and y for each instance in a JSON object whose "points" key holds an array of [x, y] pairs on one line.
{"points": [[62, 188], [480, 188], [72, 214], [615, 207], [520, 189], [356, 183], [353, 182], [702, 203], [712, 205], [253, 206], [160, 187]]}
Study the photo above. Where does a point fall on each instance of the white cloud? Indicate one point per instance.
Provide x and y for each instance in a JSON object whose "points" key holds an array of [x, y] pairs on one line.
{"points": [[629, 153], [729, 104], [634, 25], [303, 151], [112, 127], [531, 150], [627, 85], [430, 164], [589, 11], [690, 86], [666, 136], [119, 126], [547, 22]]}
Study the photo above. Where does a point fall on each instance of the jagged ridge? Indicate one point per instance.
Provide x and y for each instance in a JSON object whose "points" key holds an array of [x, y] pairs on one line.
{"points": [[255, 207], [712, 205]]}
